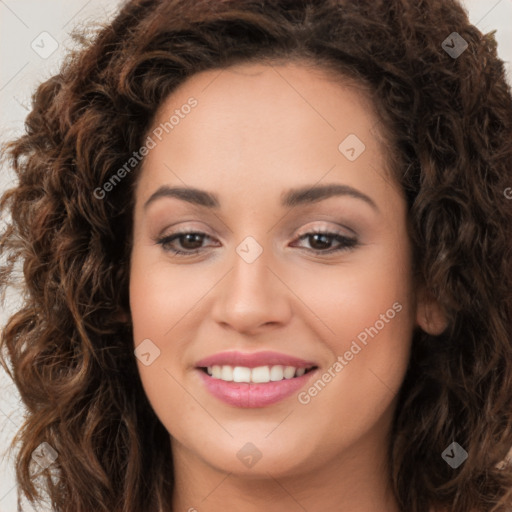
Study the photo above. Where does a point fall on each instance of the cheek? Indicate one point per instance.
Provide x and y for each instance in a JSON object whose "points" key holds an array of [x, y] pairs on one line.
{"points": [[158, 297], [374, 287], [152, 304], [163, 304], [367, 317], [370, 308]]}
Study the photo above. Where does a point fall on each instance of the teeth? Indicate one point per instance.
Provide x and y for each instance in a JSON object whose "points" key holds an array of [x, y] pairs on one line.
{"points": [[260, 374], [241, 374], [289, 372], [276, 373], [227, 373]]}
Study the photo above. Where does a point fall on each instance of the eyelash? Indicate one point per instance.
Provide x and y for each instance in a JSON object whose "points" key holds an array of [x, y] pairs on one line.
{"points": [[346, 243]]}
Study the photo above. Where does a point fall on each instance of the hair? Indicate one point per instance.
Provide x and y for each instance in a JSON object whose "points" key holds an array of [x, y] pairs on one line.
{"points": [[448, 126]]}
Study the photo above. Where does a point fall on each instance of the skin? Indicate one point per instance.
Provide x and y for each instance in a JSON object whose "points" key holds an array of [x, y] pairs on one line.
{"points": [[257, 131]]}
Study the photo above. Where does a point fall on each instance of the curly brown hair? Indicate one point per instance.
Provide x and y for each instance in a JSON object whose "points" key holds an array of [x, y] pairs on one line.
{"points": [[448, 122]]}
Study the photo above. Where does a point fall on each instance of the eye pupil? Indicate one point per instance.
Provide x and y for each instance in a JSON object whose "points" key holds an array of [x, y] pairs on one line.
{"points": [[325, 243], [189, 237]]}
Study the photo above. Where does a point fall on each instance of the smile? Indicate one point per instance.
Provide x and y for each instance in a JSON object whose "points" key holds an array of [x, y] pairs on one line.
{"points": [[253, 380], [260, 374]]}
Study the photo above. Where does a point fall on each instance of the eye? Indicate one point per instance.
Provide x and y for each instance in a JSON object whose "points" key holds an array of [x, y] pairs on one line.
{"points": [[190, 242], [321, 241]]}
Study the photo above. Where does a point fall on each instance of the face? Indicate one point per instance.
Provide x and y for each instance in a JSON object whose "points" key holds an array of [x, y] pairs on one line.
{"points": [[270, 181]]}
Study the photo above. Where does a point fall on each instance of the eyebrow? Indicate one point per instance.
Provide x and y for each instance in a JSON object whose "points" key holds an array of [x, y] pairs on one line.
{"points": [[291, 198]]}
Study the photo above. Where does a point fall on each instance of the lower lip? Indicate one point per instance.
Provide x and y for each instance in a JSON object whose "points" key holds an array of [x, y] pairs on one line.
{"points": [[244, 394]]}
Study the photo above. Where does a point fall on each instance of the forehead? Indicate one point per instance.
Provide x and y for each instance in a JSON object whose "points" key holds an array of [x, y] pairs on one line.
{"points": [[317, 96], [263, 122]]}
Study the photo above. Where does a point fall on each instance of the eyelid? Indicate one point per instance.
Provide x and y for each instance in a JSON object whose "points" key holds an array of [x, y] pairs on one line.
{"points": [[329, 228], [304, 230], [345, 243]]}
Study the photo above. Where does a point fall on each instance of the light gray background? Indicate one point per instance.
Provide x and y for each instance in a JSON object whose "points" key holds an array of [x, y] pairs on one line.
{"points": [[25, 62]]}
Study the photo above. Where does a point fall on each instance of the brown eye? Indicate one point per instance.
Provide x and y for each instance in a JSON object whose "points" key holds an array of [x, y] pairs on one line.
{"points": [[190, 242], [322, 241]]}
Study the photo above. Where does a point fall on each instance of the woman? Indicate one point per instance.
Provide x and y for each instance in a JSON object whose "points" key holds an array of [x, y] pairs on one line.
{"points": [[267, 262]]}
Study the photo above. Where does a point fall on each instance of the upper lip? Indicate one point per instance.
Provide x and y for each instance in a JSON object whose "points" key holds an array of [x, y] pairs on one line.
{"points": [[253, 360]]}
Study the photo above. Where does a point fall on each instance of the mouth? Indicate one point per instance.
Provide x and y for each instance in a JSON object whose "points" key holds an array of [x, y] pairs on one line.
{"points": [[257, 375], [254, 380]]}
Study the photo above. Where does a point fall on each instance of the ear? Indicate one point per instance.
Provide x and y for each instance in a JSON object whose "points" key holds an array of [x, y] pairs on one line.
{"points": [[429, 314]]}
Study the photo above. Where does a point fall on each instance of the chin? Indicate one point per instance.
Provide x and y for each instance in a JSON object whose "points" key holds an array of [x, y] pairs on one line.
{"points": [[258, 458]]}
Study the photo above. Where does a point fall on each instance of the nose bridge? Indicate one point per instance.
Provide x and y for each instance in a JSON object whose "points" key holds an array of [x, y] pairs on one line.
{"points": [[251, 294], [250, 277]]}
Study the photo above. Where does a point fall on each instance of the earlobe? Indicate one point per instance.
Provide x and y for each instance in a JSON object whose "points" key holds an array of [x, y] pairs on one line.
{"points": [[429, 314]]}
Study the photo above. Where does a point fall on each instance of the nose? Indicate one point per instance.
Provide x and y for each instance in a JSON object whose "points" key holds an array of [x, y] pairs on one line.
{"points": [[252, 297]]}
